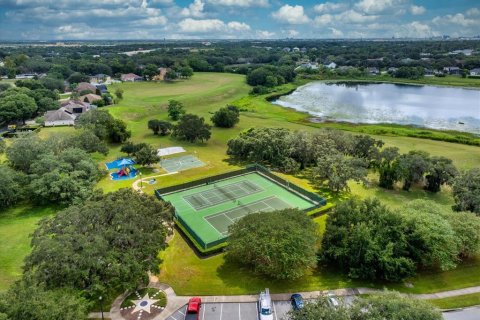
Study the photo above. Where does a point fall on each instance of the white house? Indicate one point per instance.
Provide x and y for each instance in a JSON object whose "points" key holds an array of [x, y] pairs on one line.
{"points": [[331, 65], [475, 72]]}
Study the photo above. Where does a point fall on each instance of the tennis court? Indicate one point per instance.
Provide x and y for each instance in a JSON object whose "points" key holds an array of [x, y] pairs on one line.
{"points": [[206, 211], [217, 195], [181, 163], [221, 221]]}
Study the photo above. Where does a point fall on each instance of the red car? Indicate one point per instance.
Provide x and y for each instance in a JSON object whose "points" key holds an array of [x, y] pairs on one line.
{"points": [[193, 309]]}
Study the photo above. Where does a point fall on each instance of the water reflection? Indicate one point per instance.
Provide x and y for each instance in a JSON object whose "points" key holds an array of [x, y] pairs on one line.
{"points": [[427, 106]]}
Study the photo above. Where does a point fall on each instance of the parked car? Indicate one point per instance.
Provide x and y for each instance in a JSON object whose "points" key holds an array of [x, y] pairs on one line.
{"points": [[297, 301], [193, 309], [332, 299], [265, 305]]}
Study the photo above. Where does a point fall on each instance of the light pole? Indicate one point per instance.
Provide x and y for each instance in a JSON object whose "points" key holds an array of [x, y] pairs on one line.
{"points": [[101, 305]]}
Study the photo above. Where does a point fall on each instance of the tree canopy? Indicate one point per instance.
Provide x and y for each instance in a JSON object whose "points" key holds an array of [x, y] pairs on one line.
{"points": [[192, 128], [107, 243], [104, 125], [466, 191], [226, 117], [175, 109], [278, 244]]}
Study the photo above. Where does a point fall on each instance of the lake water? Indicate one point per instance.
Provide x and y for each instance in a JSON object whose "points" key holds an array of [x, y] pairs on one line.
{"points": [[425, 106]]}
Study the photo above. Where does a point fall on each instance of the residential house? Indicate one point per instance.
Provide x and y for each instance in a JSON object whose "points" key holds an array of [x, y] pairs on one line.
{"points": [[162, 72], [296, 49], [85, 86], [307, 65], [466, 52], [331, 65], [475, 72], [286, 49], [60, 117], [101, 89], [373, 71], [130, 77], [100, 78], [452, 70], [392, 70], [90, 98]]}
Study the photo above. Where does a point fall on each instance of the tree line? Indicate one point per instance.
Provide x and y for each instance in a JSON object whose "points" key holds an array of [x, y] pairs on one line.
{"points": [[332, 158]]}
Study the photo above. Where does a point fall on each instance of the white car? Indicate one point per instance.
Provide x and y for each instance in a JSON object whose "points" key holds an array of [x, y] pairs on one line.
{"points": [[265, 305]]}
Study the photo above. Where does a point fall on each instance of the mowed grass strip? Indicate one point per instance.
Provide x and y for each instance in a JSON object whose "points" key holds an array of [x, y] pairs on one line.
{"points": [[16, 225], [463, 301]]}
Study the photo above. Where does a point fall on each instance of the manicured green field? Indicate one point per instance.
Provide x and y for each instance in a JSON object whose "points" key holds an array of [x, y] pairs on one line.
{"points": [[457, 302], [15, 227], [203, 94]]}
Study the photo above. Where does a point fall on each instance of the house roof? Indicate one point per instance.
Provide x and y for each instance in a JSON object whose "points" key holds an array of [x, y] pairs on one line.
{"points": [[102, 87], [59, 115], [475, 70], [130, 76], [90, 97], [85, 86]]}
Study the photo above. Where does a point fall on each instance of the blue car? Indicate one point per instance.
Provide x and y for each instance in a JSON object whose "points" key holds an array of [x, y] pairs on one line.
{"points": [[297, 301]]}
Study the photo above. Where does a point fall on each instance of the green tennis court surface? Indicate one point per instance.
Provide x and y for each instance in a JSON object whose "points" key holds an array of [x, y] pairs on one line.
{"points": [[206, 211], [180, 163], [221, 221]]}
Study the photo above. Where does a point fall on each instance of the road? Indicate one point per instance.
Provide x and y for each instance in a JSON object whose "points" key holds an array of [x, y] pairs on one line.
{"points": [[472, 313]]}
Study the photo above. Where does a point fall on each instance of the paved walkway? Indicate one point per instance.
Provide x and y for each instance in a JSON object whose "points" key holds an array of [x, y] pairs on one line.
{"points": [[175, 302], [136, 187]]}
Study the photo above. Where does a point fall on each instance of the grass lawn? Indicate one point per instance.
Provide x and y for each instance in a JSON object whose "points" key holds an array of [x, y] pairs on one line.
{"points": [[16, 225], [457, 302], [203, 94]]}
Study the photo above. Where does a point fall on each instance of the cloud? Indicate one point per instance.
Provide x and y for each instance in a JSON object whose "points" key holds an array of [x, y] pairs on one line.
{"points": [[473, 12], [328, 7], [352, 16], [240, 3], [417, 10], [336, 33], [201, 26], [458, 19], [291, 15], [190, 25], [238, 26], [195, 9], [377, 6], [416, 29], [324, 19], [265, 34]]}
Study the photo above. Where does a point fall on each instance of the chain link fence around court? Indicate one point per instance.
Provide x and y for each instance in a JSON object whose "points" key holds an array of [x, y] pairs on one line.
{"points": [[317, 200]]}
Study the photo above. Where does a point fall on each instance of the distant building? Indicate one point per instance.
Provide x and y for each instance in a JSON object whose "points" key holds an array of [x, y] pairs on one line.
{"points": [[373, 71], [100, 78], [296, 49], [162, 72], [90, 98], [331, 65], [84, 86], [286, 49], [392, 70], [130, 77], [428, 72], [307, 65], [466, 52], [101, 88], [475, 72], [452, 70]]}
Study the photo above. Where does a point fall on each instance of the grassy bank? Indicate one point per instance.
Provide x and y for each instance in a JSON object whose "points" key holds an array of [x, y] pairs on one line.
{"points": [[16, 225], [457, 302]]}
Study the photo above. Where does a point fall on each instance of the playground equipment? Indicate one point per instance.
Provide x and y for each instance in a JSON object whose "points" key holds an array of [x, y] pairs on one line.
{"points": [[124, 171]]}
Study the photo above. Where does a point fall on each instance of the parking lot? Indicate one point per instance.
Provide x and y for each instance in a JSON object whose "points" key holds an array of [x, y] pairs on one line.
{"points": [[234, 311]]}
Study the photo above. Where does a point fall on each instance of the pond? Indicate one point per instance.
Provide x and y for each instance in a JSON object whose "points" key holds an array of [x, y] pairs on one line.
{"points": [[360, 102]]}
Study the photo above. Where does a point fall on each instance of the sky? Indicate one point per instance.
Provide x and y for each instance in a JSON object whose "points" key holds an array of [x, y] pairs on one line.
{"points": [[235, 19]]}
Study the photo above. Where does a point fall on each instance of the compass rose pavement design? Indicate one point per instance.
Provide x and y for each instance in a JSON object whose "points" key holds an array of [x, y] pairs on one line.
{"points": [[144, 304], [143, 308]]}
